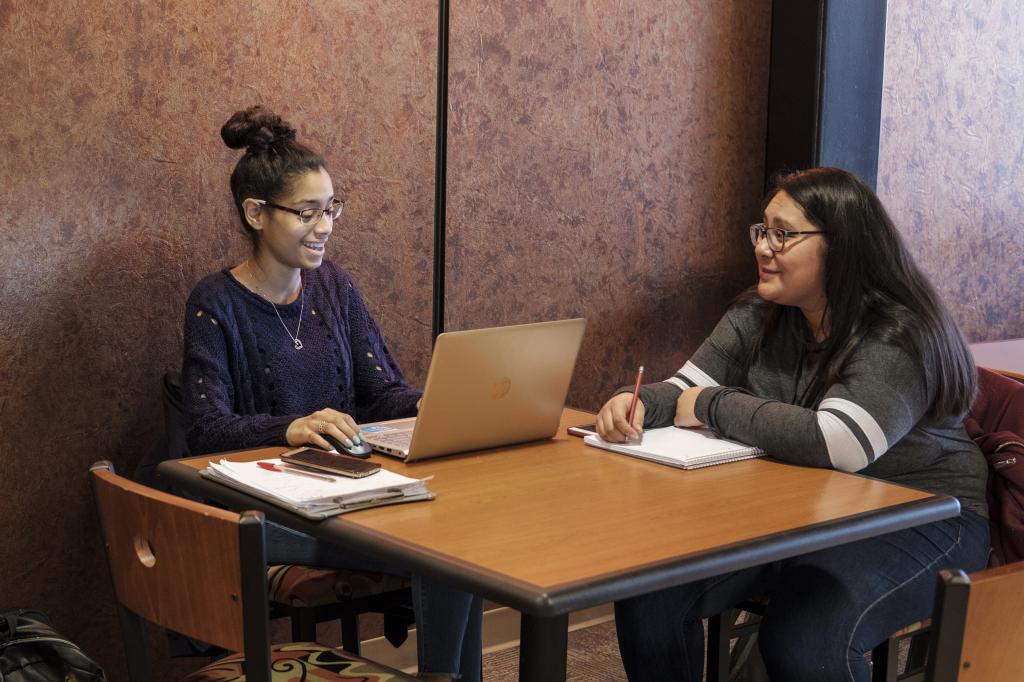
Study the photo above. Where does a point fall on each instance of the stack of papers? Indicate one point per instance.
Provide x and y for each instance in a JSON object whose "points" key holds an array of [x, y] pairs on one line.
{"points": [[683, 448], [317, 498]]}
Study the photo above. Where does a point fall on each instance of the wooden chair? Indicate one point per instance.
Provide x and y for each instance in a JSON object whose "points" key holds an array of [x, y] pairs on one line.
{"points": [[732, 638], [918, 637], [977, 631], [305, 594], [202, 571], [732, 634], [885, 658], [309, 595]]}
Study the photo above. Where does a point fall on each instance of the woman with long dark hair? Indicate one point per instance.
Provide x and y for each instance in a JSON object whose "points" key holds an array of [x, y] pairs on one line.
{"points": [[842, 356], [281, 350]]}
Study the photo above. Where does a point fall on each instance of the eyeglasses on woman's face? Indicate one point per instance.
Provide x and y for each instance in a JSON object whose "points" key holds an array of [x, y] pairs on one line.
{"points": [[310, 216], [776, 236]]}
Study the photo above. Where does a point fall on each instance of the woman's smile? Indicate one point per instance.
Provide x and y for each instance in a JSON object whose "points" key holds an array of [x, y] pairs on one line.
{"points": [[794, 275]]}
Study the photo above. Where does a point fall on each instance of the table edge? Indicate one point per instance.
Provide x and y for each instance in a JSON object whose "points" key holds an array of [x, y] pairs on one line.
{"points": [[567, 597]]}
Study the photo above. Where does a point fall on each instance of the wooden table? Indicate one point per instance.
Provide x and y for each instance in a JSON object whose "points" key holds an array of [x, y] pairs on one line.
{"points": [[556, 526]]}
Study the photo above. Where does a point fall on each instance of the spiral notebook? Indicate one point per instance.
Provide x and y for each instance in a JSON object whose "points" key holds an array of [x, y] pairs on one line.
{"points": [[682, 448]]}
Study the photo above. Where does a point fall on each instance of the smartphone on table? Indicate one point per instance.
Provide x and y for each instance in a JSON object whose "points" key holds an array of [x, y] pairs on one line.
{"points": [[582, 430], [321, 460]]}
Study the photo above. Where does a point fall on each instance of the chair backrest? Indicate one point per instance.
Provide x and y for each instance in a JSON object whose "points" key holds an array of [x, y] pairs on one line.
{"points": [[978, 631], [173, 443], [186, 566]]}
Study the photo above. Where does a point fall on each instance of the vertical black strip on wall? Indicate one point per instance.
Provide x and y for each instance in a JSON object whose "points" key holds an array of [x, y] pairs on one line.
{"points": [[440, 168], [825, 86], [793, 86]]}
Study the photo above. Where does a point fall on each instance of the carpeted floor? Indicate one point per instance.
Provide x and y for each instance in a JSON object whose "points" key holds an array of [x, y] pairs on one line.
{"points": [[593, 657]]}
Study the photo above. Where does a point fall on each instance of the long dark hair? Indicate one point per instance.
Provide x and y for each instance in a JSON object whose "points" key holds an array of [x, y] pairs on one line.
{"points": [[874, 290], [272, 160]]}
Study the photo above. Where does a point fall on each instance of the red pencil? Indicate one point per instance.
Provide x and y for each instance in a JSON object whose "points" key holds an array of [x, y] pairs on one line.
{"points": [[636, 394]]}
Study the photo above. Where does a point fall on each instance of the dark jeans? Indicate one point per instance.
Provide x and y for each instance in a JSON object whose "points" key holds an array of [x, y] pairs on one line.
{"points": [[449, 622], [826, 609]]}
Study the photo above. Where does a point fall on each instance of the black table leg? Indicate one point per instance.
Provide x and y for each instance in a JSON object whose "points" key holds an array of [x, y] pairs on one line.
{"points": [[542, 648]]}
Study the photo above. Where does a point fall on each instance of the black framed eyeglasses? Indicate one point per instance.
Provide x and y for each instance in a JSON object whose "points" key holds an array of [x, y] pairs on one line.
{"points": [[309, 216], [776, 236]]}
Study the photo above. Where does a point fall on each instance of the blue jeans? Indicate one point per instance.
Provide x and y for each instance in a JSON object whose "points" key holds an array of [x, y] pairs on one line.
{"points": [[449, 622], [826, 610]]}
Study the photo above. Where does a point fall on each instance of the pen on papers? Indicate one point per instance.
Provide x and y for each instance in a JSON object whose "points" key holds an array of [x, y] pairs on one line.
{"points": [[636, 394], [270, 466]]}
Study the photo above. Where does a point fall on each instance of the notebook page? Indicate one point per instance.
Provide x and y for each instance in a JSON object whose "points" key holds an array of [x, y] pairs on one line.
{"points": [[680, 447]]}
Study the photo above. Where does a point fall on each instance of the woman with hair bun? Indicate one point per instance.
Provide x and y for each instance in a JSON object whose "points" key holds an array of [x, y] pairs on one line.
{"points": [[842, 356], [281, 350]]}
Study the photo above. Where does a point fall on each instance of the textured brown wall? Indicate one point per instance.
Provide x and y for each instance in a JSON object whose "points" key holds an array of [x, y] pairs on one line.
{"points": [[115, 202], [951, 159], [604, 161]]}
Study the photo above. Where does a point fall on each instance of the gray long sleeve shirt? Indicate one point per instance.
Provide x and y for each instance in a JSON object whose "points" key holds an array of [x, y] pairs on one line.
{"points": [[871, 422]]}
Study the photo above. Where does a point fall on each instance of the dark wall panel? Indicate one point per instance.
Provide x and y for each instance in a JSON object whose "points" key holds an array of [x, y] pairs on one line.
{"points": [[115, 202], [604, 161], [852, 86], [951, 158]]}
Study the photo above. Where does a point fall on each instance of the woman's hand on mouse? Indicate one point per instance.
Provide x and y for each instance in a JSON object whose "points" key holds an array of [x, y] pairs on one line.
{"points": [[309, 430], [612, 423]]}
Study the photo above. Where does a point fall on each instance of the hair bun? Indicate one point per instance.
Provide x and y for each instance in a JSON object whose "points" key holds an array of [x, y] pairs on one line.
{"points": [[256, 128]]}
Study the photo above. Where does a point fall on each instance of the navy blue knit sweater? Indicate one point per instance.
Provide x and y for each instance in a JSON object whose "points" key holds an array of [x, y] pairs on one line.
{"points": [[244, 382]]}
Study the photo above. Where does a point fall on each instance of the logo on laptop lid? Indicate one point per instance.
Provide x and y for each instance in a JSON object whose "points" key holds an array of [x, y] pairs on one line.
{"points": [[500, 388]]}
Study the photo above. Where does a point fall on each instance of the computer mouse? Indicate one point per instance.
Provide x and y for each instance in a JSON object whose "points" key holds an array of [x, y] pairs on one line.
{"points": [[362, 450]]}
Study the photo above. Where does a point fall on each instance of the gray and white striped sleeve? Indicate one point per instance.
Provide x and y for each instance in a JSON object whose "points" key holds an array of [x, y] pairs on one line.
{"points": [[853, 437], [715, 362], [691, 375], [880, 398]]}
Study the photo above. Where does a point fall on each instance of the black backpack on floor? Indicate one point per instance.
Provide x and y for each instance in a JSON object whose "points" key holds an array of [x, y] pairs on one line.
{"points": [[31, 651]]}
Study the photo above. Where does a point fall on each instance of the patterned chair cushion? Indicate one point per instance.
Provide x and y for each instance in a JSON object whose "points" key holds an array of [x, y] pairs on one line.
{"points": [[307, 586], [912, 628], [307, 662]]}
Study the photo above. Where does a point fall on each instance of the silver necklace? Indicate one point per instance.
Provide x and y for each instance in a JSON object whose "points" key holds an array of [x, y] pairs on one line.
{"points": [[302, 307]]}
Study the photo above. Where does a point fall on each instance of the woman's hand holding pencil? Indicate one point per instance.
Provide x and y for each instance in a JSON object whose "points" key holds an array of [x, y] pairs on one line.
{"points": [[622, 417]]}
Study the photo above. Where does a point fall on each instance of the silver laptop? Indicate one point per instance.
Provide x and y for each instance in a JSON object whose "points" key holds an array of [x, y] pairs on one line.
{"points": [[487, 388]]}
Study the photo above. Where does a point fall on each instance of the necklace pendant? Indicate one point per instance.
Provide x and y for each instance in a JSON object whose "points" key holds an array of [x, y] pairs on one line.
{"points": [[298, 344]]}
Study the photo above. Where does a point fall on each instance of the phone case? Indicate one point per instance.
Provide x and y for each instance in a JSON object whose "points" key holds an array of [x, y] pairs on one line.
{"points": [[582, 429], [321, 460]]}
